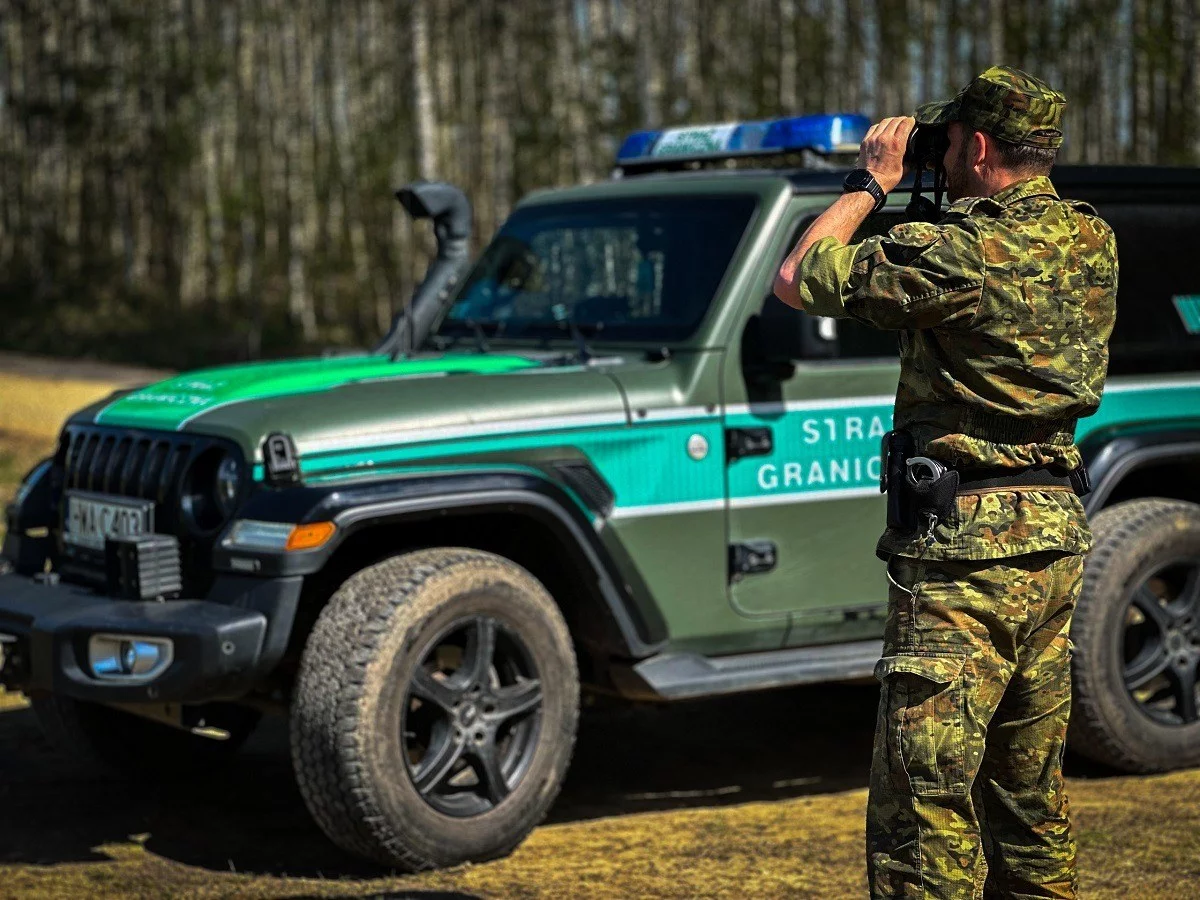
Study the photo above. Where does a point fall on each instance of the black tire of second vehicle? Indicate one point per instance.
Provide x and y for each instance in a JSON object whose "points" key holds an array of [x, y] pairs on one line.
{"points": [[1131, 539], [356, 666], [121, 743]]}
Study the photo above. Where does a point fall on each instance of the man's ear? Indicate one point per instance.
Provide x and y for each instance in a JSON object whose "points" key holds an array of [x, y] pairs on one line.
{"points": [[977, 150]]}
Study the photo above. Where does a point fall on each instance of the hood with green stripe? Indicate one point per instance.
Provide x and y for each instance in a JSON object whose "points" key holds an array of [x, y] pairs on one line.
{"points": [[343, 404]]}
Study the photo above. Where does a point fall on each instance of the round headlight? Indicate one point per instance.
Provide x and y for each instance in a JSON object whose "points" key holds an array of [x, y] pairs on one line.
{"points": [[228, 486]]}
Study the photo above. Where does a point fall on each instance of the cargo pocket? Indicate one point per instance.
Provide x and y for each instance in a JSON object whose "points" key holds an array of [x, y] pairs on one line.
{"points": [[926, 697]]}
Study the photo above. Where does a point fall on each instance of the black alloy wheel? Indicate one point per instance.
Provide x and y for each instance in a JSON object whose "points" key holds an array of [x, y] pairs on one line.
{"points": [[435, 710], [1136, 636], [1161, 642], [472, 715]]}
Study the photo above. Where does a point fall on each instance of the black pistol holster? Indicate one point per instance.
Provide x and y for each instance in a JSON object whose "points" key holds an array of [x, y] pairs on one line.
{"points": [[917, 487]]}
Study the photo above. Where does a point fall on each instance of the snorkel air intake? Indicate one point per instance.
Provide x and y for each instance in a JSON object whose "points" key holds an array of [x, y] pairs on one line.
{"points": [[450, 211]]}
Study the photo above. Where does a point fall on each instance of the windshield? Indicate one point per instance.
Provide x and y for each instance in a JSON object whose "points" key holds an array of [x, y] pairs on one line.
{"points": [[636, 269]]}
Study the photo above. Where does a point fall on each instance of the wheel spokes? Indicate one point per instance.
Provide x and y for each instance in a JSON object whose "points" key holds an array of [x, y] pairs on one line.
{"points": [[481, 647], [1185, 691], [435, 691], [518, 699], [471, 705], [486, 762], [1147, 665], [1148, 604], [1189, 596], [438, 764]]}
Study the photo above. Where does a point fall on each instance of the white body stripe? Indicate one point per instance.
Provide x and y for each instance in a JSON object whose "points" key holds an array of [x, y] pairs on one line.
{"points": [[1122, 387], [775, 408], [662, 509], [482, 429]]}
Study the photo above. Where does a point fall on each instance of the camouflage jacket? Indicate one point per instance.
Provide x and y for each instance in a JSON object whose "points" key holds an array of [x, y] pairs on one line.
{"points": [[1004, 310]]}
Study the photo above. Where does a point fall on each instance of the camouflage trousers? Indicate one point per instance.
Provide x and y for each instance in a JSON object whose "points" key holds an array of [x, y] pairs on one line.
{"points": [[967, 796]]}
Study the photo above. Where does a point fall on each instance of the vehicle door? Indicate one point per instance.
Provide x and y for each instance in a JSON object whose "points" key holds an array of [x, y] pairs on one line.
{"points": [[803, 466]]}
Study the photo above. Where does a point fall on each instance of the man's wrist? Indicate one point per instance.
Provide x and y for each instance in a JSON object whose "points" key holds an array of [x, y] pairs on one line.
{"points": [[862, 180], [860, 202], [884, 181]]}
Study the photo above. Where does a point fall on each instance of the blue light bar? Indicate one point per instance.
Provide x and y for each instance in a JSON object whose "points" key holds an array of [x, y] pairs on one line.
{"points": [[824, 134]]}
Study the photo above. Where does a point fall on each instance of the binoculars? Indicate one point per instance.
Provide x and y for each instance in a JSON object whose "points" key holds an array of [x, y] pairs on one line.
{"points": [[927, 145], [926, 151]]}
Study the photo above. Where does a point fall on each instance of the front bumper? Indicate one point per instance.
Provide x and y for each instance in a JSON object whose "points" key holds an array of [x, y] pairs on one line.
{"points": [[222, 645]]}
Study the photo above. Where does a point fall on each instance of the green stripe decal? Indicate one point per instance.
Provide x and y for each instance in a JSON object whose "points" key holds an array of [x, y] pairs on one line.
{"points": [[168, 405], [823, 450]]}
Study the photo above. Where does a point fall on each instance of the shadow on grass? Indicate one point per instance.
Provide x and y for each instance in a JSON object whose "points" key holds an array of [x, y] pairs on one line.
{"points": [[251, 819], [628, 759]]}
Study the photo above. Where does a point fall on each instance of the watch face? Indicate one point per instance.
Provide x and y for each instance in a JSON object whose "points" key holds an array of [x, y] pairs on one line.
{"points": [[859, 179]]}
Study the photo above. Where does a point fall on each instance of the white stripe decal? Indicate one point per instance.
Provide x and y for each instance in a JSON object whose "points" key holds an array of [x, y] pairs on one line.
{"points": [[774, 409], [350, 442], [804, 497], [660, 509], [1124, 387], [678, 413]]}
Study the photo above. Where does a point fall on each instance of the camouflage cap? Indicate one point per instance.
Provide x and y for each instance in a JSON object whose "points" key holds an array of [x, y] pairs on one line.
{"points": [[1006, 103]]}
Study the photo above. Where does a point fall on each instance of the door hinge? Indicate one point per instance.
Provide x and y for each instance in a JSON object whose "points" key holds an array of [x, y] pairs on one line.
{"points": [[740, 442], [751, 558]]}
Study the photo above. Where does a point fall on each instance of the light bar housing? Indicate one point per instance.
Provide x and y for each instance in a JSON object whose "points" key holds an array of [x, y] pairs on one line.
{"points": [[823, 134]]}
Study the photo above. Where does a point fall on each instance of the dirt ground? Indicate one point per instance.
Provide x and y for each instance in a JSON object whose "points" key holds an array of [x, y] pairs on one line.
{"points": [[754, 796], [743, 797]]}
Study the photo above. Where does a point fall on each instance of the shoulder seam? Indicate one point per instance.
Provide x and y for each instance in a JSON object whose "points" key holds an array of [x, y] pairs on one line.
{"points": [[983, 268]]}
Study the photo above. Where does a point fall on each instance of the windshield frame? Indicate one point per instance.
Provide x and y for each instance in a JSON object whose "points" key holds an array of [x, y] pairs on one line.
{"points": [[548, 335]]}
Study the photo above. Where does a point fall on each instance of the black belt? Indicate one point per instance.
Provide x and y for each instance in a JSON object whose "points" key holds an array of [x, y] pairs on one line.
{"points": [[973, 480]]}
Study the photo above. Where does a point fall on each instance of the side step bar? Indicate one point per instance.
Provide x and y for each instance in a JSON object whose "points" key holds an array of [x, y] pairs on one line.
{"points": [[680, 676]]}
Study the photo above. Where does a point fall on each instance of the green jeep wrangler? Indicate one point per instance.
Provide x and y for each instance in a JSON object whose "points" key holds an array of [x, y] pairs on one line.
{"points": [[603, 457]]}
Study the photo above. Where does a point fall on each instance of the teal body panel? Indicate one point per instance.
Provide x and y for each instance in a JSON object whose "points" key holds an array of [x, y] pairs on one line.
{"points": [[654, 430]]}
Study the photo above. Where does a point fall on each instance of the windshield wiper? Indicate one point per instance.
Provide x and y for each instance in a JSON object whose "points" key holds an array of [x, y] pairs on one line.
{"points": [[481, 343], [478, 329], [563, 318]]}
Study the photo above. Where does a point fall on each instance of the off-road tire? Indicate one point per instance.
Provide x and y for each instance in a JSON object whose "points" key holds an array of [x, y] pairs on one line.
{"points": [[120, 743], [356, 667], [1131, 539]]}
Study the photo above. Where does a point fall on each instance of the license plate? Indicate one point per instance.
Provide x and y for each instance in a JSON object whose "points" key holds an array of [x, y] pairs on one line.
{"points": [[93, 518]]}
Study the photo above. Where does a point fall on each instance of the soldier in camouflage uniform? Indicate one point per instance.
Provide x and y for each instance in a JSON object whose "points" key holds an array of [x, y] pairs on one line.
{"points": [[1004, 309]]}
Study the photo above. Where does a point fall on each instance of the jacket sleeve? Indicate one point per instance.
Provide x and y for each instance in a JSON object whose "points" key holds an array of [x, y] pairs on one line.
{"points": [[916, 276]]}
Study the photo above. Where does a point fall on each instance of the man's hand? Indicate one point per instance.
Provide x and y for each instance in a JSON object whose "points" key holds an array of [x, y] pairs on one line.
{"points": [[882, 150], [882, 154]]}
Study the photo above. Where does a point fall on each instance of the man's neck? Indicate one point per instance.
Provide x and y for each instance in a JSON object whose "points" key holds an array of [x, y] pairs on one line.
{"points": [[998, 181]]}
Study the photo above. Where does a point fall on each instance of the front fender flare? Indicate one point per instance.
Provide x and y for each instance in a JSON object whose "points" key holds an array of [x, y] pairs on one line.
{"points": [[408, 498], [1111, 459]]}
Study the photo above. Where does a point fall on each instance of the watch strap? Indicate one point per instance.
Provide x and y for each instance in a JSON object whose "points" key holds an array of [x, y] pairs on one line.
{"points": [[867, 183]]}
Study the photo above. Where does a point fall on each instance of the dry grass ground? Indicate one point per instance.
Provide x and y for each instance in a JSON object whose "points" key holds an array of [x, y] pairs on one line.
{"points": [[35, 398], [757, 796]]}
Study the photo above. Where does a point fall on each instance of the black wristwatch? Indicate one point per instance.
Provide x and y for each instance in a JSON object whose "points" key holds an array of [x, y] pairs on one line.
{"points": [[863, 180]]}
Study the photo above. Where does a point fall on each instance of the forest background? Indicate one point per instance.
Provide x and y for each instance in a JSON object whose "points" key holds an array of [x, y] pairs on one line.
{"points": [[184, 182]]}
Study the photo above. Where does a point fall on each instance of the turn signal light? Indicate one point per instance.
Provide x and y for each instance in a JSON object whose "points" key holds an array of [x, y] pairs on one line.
{"points": [[309, 537]]}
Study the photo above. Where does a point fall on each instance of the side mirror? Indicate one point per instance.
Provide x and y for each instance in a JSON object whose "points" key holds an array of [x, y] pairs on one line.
{"points": [[782, 335]]}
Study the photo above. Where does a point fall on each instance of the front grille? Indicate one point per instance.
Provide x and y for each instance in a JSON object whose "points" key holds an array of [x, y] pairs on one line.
{"points": [[125, 464], [147, 465]]}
